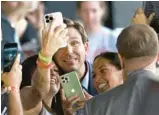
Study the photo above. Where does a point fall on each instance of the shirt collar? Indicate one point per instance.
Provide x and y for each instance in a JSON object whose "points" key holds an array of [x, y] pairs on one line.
{"points": [[85, 81]]}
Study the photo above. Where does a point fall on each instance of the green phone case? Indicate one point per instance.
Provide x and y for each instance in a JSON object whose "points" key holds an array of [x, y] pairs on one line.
{"points": [[72, 85]]}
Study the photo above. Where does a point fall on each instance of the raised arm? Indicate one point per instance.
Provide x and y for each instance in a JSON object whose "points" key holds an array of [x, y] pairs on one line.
{"points": [[12, 81], [32, 96]]}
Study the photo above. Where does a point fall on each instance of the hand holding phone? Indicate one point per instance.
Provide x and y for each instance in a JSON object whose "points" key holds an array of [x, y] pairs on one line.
{"points": [[69, 104], [56, 17], [14, 77], [71, 85], [53, 34], [72, 95], [10, 53]]}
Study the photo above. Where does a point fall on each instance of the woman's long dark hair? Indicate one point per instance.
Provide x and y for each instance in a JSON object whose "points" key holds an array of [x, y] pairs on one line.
{"points": [[112, 57], [29, 66]]}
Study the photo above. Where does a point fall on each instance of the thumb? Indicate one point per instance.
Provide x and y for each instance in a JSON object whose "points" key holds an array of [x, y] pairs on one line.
{"points": [[63, 98], [87, 95], [150, 18], [17, 61], [139, 11]]}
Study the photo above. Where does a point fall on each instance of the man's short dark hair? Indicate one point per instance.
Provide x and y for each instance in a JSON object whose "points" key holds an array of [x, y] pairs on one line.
{"points": [[112, 57], [137, 40], [78, 26]]}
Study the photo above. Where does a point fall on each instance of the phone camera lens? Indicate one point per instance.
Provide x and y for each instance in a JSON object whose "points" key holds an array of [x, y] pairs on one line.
{"points": [[46, 17], [62, 77], [66, 79], [51, 18], [47, 21], [63, 81]]}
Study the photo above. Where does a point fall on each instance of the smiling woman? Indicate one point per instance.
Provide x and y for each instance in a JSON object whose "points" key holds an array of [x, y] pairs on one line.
{"points": [[107, 71]]}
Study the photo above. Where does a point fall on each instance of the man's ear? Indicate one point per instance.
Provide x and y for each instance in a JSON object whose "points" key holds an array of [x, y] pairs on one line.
{"points": [[121, 60], [86, 47]]}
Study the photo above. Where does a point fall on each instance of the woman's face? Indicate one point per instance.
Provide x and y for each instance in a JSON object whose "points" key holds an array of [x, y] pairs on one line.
{"points": [[106, 75], [54, 78]]}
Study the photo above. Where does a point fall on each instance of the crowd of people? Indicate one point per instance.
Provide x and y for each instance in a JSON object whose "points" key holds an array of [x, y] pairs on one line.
{"points": [[118, 72]]}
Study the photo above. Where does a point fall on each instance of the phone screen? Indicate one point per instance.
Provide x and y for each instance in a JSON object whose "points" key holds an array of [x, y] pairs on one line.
{"points": [[10, 53]]}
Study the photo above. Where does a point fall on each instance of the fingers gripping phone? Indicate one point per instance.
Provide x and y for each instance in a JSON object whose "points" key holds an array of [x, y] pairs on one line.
{"points": [[10, 53], [72, 85], [56, 16], [58, 21]]}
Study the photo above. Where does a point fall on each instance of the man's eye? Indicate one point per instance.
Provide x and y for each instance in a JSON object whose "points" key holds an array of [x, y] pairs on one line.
{"points": [[103, 70], [74, 43]]}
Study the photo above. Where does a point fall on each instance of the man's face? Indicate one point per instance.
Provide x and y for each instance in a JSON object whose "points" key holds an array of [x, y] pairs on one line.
{"points": [[91, 13], [72, 57]]}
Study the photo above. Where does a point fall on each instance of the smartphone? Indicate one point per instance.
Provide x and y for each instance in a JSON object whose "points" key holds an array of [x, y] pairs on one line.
{"points": [[10, 53], [57, 17], [48, 18], [72, 85]]}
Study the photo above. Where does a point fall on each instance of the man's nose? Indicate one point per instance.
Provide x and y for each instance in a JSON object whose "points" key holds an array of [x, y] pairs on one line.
{"points": [[69, 49], [89, 15]]}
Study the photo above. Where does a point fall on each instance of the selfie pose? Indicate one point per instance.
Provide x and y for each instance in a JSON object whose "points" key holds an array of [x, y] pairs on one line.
{"points": [[41, 73]]}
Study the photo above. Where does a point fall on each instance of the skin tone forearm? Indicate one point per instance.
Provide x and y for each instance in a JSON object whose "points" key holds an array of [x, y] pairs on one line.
{"points": [[13, 80], [32, 96], [15, 106], [41, 81]]}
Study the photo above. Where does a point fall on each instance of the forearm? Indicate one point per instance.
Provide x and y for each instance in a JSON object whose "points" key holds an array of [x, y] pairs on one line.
{"points": [[39, 37], [15, 106], [41, 82], [48, 100]]}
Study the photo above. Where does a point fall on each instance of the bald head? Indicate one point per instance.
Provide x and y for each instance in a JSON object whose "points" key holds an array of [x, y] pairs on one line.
{"points": [[138, 40]]}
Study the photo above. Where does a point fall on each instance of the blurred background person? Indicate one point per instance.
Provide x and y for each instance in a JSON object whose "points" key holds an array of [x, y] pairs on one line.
{"points": [[10, 99], [13, 21], [100, 38], [31, 38], [107, 72]]}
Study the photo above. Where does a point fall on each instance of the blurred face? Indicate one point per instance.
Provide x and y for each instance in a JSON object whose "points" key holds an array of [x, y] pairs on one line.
{"points": [[33, 5], [72, 57], [25, 6], [91, 13], [11, 5], [106, 75]]}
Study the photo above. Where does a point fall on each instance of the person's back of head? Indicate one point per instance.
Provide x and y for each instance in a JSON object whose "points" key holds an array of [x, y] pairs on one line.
{"points": [[137, 41], [138, 48]]}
